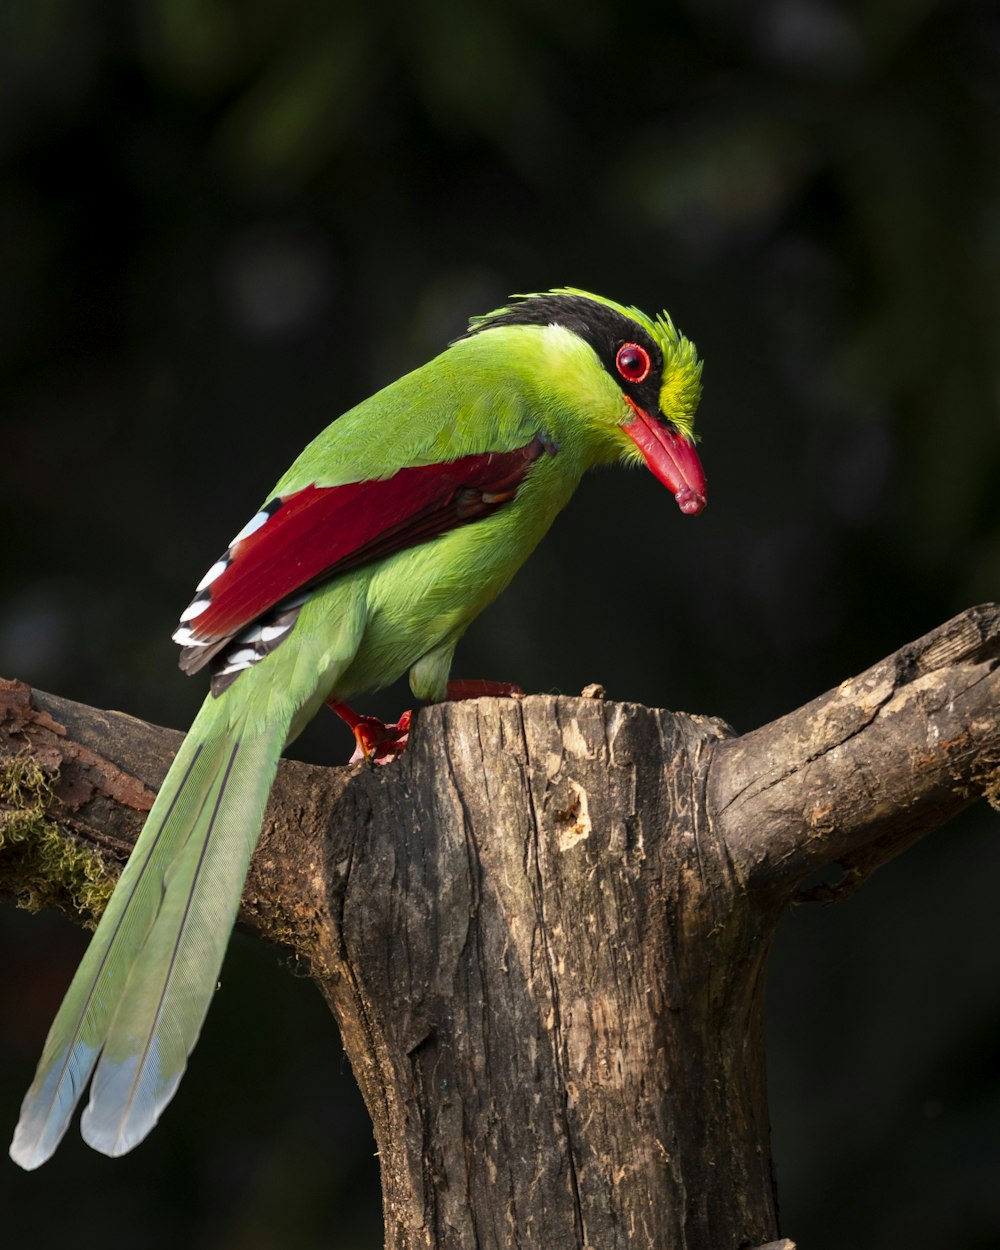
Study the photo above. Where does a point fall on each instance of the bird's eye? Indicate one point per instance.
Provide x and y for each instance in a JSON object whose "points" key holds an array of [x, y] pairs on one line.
{"points": [[633, 362]]}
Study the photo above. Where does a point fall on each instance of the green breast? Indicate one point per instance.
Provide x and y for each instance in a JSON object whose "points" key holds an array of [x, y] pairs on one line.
{"points": [[418, 599]]}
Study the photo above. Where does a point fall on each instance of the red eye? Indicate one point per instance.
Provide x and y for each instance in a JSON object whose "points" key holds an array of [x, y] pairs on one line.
{"points": [[633, 362]]}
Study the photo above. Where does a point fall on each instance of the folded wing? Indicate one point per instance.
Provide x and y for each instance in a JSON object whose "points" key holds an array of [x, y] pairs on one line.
{"points": [[299, 540]]}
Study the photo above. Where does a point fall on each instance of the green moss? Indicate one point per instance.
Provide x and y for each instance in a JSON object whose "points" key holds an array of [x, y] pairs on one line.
{"points": [[39, 864]]}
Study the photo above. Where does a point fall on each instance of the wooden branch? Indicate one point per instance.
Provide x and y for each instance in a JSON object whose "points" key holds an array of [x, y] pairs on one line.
{"points": [[544, 930], [867, 769], [105, 769]]}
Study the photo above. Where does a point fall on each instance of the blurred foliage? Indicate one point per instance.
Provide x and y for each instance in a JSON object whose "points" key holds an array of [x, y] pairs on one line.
{"points": [[222, 223]]}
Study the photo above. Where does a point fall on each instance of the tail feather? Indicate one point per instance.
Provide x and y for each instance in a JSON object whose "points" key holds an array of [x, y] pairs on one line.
{"points": [[168, 920], [172, 979]]}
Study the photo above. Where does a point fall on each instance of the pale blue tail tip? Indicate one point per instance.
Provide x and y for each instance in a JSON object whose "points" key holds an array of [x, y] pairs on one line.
{"points": [[48, 1107]]}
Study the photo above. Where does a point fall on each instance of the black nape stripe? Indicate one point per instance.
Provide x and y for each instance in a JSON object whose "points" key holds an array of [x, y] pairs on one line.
{"points": [[604, 328]]}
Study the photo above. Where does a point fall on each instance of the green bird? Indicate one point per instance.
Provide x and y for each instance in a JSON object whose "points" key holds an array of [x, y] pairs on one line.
{"points": [[389, 534]]}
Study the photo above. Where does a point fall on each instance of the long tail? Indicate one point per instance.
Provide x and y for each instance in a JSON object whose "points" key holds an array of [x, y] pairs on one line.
{"points": [[136, 1005]]}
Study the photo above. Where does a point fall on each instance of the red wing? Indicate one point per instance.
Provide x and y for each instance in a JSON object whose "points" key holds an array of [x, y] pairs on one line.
{"points": [[299, 540]]}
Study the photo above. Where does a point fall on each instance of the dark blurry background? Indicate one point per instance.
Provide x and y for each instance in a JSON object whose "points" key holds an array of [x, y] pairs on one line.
{"points": [[221, 224]]}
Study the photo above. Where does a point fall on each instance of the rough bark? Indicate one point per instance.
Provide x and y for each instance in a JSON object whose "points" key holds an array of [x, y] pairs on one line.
{"points": [[544, 930]]}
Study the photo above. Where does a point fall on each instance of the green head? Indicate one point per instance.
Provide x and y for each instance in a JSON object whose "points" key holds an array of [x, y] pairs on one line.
{"points": [[649, 372]]}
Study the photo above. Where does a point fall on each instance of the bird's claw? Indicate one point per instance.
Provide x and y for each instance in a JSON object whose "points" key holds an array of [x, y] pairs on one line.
{"points": [[377, 742]]}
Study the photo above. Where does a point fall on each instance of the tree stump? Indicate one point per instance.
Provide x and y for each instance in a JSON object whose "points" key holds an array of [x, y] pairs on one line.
{"points": [[544, 930]]}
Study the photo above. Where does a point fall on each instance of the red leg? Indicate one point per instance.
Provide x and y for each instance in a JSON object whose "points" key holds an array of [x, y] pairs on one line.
{"points": [[378, 743]]}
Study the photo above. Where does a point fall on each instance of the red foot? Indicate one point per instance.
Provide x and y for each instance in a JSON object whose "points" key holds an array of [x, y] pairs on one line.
{"points": [[378, 743]]}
